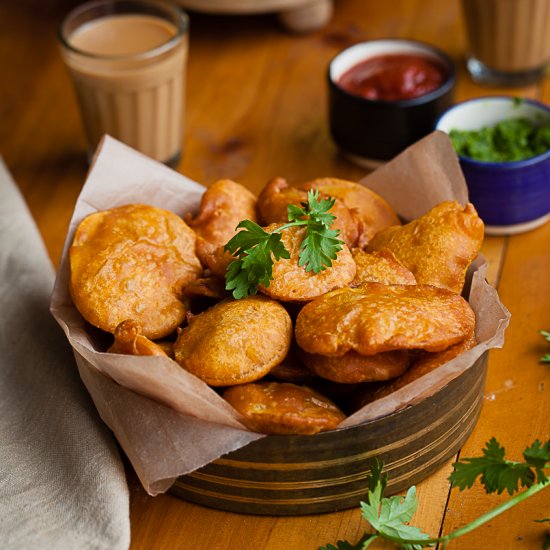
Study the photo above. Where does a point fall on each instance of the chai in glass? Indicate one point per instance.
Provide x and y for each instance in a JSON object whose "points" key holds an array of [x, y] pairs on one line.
{"points": [[509, 40], [127, 60]]}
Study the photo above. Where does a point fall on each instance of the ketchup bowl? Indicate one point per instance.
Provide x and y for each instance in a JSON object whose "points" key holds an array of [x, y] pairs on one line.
{"points": [[386, 94]]}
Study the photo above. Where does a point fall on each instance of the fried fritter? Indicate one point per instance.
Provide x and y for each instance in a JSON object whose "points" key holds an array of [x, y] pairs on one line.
{"points": [[425, 364], [235, 341], [223, 205], [274, 199], [380, 267], [282, 408], [278, 194], [132, 262], [373, 211], [375, 318], [292, 283], [352, 367], [438, 247], [129, 341]]}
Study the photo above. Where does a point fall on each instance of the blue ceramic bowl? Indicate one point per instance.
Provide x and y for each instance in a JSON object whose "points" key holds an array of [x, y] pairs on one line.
{"points": [[510, 197], [373, 131]]}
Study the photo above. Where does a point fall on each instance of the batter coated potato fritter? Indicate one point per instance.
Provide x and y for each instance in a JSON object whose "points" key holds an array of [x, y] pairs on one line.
{"points": [[438, 247], [425, 364], [282, 408], [374, 318], [292, 283], [380, 267], [236, 341], [372, 210], [223, 205], [353, 368], [132, 262]]}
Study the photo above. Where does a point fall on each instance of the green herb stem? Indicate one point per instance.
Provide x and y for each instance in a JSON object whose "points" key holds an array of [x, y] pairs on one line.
{"points": [[510, 503]]}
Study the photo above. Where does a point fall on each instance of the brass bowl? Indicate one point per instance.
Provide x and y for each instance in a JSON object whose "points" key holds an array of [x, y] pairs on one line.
{"points": [[297, 475]]}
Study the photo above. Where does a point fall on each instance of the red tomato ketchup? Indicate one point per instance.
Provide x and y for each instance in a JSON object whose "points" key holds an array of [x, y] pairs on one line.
{"points": [[393, 77]]}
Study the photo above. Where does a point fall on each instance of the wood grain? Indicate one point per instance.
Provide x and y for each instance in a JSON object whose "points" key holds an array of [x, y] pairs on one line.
{"points": [[256, 108]]}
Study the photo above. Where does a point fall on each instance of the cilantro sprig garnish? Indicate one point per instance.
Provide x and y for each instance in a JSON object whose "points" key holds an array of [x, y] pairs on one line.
{"points": [[256, 250], [390, 516], [497, 474]]}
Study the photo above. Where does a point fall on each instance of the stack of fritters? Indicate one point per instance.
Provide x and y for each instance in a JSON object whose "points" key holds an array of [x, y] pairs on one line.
{"points": [[388, 309]]}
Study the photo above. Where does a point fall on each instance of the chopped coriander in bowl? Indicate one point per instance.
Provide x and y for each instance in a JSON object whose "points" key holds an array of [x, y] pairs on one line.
{"points": [[503, 144], [508, 140]]}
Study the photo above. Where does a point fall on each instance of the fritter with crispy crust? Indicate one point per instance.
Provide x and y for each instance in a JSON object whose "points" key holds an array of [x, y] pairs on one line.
{"points": [[224, 204], [132, 262], [438, 247], [374, 318], [292, 283], [353, 368], [235, 341], [425, 364], [282, 408], [372, 210]]}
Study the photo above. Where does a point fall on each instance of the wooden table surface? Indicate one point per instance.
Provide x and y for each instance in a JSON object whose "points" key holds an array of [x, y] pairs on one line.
{"points": [[256, 108]]}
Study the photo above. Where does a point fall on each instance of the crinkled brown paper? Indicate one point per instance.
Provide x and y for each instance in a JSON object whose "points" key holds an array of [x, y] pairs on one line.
{"points": [[169, 422]]}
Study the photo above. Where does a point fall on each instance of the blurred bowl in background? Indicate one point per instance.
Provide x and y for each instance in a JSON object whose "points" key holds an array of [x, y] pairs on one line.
{"points": [[511, 197], [386, 94], [296, 15]]}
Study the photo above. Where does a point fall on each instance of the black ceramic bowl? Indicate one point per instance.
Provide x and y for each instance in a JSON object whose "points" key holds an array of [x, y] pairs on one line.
{"points": [[372, 131]]}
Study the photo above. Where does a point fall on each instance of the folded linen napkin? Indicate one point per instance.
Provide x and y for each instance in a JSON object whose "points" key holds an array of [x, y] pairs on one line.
{"points": [[62, 484]]}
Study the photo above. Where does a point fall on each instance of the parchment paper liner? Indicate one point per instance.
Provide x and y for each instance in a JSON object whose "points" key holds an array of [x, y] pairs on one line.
{"points": [[169, 422]]}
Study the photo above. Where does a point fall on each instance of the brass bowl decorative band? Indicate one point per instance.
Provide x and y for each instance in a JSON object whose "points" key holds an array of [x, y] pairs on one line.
{"points": [[296, 475]]}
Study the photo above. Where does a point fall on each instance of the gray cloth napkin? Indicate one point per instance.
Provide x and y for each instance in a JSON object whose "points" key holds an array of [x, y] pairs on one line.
{"points": [[62, 484]]}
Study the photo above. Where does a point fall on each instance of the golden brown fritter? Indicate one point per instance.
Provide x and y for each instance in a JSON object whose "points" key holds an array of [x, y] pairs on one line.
{"points": [[373, 211], [352, 367], [282, 408], [437, 247], [132, 262], [380, 267], [129, 341], [274, 199], [223, 205], [374, 318], [292, 283], [235, 341], [425, 364], [278, 194]]}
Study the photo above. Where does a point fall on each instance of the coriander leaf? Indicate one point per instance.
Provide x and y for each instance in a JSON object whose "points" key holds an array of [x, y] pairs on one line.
{"points": [[542, 520], [256, 249], [497, 474], [242, 241], [388, 516], [545, 334], [319, 247], [538, 455], [318, 209], [295, 213]]}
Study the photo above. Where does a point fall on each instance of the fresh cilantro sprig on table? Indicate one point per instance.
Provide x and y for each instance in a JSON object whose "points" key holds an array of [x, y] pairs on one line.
{"points": [[545, 358], [390, 516], [256, 250]]}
